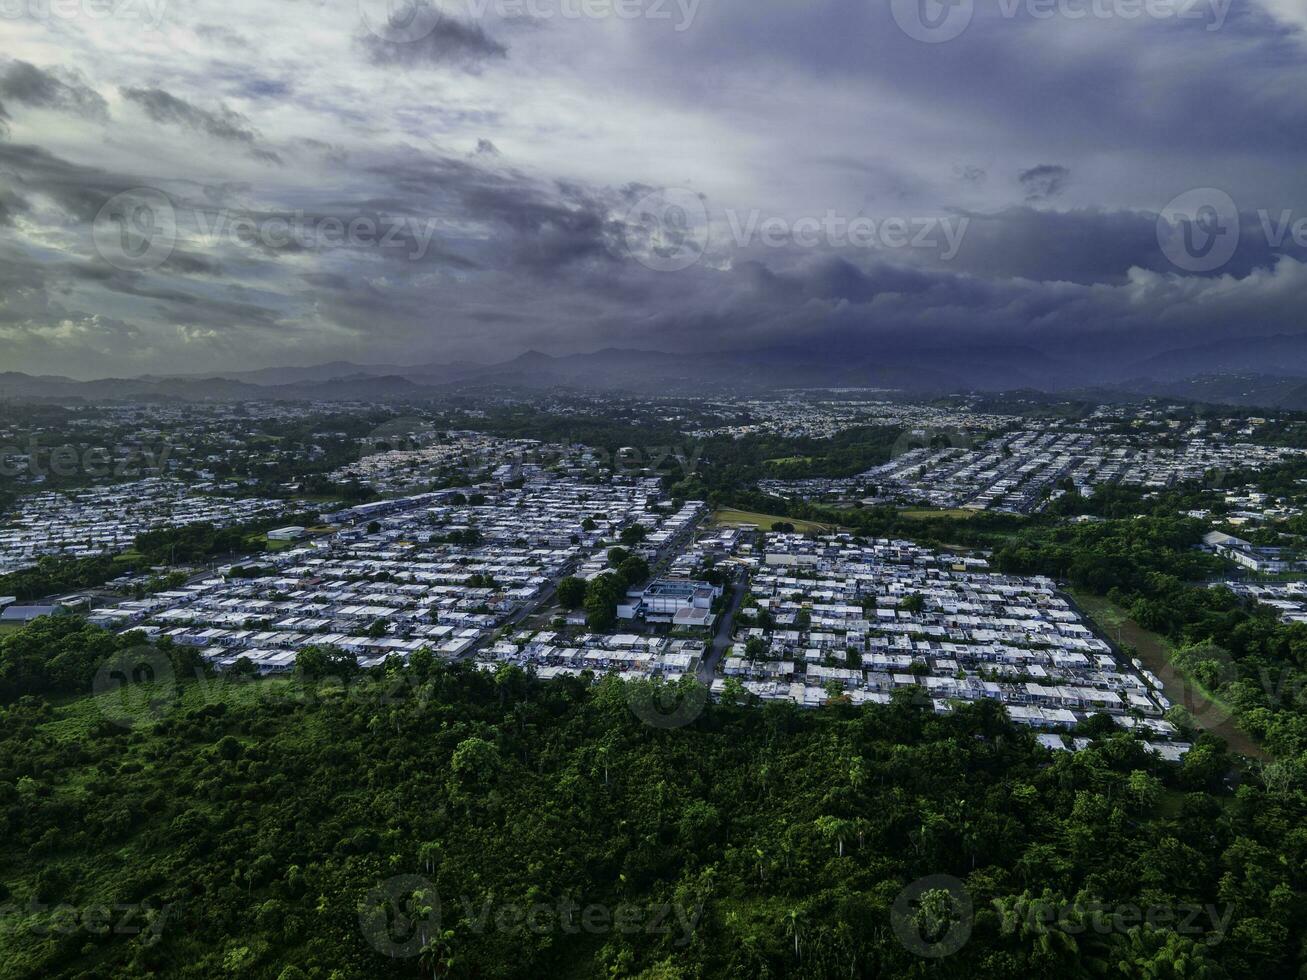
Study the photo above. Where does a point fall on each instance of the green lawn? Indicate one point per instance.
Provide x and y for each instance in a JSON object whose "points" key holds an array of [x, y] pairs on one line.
{"points": [[729, 516], [1154, 652]]}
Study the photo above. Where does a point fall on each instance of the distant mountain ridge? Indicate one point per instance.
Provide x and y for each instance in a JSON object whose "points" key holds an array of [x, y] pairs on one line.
{"points": [[1228, 371]]}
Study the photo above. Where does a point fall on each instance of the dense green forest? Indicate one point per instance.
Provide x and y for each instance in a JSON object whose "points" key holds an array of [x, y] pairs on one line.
{"points": [[1239, 652], [439, 821]]}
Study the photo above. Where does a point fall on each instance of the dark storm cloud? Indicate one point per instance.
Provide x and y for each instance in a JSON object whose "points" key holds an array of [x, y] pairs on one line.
{"points": [[63, 91], [820, 302], [791, 109], [832, 278], [1091, 245], [10, 205], [1078, 83], [540, 228], [224, 124], [211, 307], [548, 235], [1044, 181], [265, 88], [81, 191], [192, 264], [418, 35]]}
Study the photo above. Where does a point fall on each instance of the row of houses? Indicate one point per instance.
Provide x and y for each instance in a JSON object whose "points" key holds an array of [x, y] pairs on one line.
{"points": [[549, 654], [1018, 471], [438, 571], [100, 520], [867, 618]]}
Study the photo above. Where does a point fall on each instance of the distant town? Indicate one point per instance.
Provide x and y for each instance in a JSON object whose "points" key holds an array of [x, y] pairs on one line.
{"points": [[566, 558]]}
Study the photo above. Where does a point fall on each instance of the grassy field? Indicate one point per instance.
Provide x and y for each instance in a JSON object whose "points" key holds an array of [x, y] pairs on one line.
{"points": [[732, 517], [1154, 652]]}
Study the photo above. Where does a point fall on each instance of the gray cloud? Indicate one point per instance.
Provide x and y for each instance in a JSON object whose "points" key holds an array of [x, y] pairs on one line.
{"points": [[60, 89], [1044, 181], [790, 110], [440, 41], [224, 124]]}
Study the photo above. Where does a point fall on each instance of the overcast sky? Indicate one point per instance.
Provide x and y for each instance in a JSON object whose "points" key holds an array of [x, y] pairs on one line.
{"points": [[223, 184]]}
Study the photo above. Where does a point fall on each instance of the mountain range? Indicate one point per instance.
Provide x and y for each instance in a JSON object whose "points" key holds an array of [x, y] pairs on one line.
{"points": [[1266, 371]]}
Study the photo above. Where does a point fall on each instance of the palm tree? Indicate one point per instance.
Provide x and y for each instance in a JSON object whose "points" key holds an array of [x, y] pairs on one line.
{"points": [[792, 928]]}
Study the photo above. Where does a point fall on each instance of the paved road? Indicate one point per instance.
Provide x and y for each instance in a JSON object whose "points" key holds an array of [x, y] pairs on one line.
{"points": [[725, 628]]}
